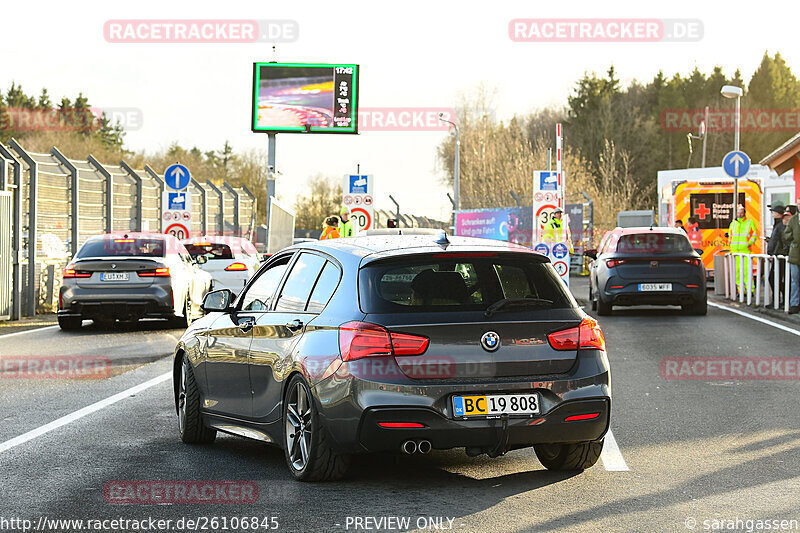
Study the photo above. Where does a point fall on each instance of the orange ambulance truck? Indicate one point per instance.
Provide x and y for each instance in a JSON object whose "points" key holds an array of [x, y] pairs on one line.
{"points": [[711, 203]]}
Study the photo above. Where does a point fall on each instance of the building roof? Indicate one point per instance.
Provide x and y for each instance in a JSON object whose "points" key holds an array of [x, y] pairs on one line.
{"points": [[782, 158]]}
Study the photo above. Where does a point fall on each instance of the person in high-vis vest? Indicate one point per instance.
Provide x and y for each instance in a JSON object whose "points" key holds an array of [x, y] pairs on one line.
{"points": [[330, 229], [742, 233], [346, 226], [557, 230]]}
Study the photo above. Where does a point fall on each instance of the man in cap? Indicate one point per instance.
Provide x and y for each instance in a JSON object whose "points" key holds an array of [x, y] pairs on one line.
{"points": [[775, 246], [791, 236], [346, 226], [556, 230]]}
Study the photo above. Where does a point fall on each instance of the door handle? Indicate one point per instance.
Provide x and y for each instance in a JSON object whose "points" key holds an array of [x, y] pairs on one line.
{"points": [[247, 325], [294, 325]]}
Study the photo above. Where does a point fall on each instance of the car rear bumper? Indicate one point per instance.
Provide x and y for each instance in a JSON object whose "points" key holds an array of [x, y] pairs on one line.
{"points": [[629, 294], [351, 408], [154, 301], [444, 433]]}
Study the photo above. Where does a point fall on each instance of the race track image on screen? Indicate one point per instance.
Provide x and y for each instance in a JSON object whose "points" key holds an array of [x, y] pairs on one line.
{"points": [[305, 98]]}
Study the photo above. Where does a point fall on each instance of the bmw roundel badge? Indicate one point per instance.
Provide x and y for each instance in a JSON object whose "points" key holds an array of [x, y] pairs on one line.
{"points": [[490, 341]]}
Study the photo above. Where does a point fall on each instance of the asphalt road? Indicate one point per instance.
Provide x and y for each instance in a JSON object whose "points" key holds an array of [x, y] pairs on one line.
{"points": [[700, 450]]}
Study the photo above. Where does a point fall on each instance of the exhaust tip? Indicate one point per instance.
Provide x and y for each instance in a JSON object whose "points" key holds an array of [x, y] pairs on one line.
{"points": [[424, 446], [409, 447]]}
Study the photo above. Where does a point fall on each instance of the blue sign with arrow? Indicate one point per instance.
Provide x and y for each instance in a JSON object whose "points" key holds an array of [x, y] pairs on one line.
{"points": [[177, 177], [736, 164]]}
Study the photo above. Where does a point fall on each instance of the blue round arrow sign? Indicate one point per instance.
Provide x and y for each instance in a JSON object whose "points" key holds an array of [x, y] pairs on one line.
{"points": [[177, 177], [736, 164]]}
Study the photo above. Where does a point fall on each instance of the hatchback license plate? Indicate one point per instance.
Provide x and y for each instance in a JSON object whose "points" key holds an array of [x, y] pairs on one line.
{"points": [[655, 286], [496, 404], [114, 276]]}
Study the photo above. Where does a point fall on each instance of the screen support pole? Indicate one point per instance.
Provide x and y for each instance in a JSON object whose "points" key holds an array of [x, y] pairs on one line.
{"points": [[270, 175]]}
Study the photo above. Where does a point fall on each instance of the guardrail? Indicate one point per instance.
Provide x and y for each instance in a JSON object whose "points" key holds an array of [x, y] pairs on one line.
{"points": [[59, 202], [752, 287]]}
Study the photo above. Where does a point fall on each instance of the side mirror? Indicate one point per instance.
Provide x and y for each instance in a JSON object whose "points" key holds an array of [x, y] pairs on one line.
{"points": [[592, 253], [218, 301], [265, 257], [201, 260]]}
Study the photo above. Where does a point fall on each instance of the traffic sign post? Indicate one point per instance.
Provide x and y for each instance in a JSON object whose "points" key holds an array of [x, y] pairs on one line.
{"points": [[357, 196], [176, 203], [736, 164]]}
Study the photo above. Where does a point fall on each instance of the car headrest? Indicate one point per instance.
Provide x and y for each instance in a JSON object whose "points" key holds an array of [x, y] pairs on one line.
{"points": [[430, 285]]}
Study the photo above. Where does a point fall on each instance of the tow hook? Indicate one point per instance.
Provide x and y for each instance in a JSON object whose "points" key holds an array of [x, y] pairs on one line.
{"points": [[502, 443]]}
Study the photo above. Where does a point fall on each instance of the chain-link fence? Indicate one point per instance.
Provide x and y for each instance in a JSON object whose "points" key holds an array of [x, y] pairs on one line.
{"points": [[58, 203]]}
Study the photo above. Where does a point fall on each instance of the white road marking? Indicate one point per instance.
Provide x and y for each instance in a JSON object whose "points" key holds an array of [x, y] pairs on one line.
{"points": [[28, 331], [757, 318], [611, 456], [80, 413]]}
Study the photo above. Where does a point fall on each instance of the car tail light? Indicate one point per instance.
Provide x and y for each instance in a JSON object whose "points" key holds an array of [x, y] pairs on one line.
{"points": [[587, 416], [693, 261], [611, 263], [587, 335], [236, 267], [404, 425], [456, 255], [361, 339], [161, 272], [71, 272], [124, 240]]}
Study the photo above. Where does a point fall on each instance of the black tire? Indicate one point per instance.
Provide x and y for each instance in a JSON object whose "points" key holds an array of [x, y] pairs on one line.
{"points": [[698, 308], [578, 456], [321, 462], [592, 301], [603, 308], [187, 404], [70, 323]]}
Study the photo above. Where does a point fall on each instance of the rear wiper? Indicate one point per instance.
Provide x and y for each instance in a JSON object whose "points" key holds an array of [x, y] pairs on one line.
{"points": [[509, 304]]}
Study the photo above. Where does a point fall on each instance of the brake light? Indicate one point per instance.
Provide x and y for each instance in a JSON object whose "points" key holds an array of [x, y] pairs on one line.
{"points": [[694, 261], [71, 272], [201, 244], [466, 254], [162, 272], [236, 267], [361, 339], [587, 335], [124, 240], [611, 263]]}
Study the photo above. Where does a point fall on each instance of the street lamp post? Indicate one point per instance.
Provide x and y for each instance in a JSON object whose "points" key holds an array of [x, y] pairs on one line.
{"points": [[732, 91], [456, 202]]}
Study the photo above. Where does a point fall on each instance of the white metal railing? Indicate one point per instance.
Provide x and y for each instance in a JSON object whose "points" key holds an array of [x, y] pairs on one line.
{"points": [[743, 290]]}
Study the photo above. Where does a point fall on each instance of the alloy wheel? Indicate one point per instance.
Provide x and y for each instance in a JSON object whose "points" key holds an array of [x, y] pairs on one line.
{"points": [[298, 427]]}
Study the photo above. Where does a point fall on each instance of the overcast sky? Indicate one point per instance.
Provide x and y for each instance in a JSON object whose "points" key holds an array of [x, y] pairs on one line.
{"points": [[412, 54]]}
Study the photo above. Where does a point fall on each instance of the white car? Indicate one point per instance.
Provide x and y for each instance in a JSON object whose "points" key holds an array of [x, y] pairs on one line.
{"points": [[231, 261]]}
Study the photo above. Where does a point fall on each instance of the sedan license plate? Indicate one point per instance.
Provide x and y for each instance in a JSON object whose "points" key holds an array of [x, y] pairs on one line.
{"points": [[114, 276], [496, 404], [655, 286]]}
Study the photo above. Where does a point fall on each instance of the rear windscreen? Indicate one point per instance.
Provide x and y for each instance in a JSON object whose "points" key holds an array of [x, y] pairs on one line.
{"points": [[653, 243], [210, 250], [122, 247], [454, 283]]}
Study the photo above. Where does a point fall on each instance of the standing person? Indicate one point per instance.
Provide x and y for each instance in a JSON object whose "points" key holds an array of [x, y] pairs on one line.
{"points": [[742, 233], [557, 230], [346, 226], [695, 235], [791, 236], [775, 246], [330, 229]]}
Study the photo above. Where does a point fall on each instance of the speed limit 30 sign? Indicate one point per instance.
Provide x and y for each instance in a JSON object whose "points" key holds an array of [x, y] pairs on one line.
{"points": [[362, 218], [178, 230]]}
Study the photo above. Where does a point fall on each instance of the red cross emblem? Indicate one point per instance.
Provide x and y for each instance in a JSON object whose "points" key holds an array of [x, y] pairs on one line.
{"points": [[702, 211]]}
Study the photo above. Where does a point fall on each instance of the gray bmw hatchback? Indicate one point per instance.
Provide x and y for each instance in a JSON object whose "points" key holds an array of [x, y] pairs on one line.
{"points": [[401, 344]]}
